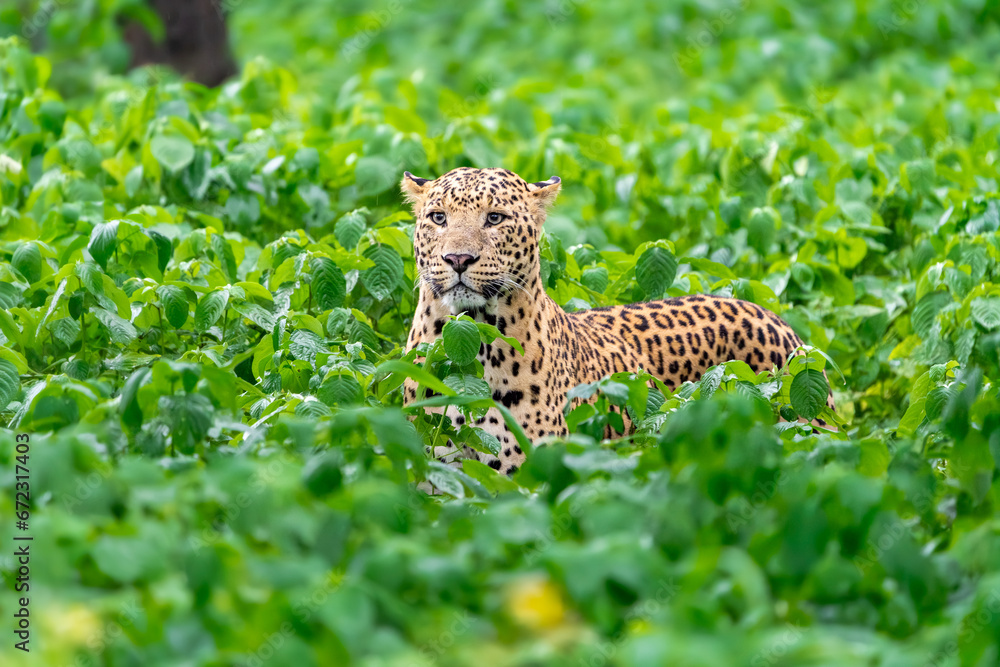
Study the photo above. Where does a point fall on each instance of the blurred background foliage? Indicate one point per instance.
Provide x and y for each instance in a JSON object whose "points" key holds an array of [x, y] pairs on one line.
{"points": [[206, 290]]}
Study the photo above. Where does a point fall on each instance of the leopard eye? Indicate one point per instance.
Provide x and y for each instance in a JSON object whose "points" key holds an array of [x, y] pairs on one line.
{"points": [[495, 218], [438, 217]]}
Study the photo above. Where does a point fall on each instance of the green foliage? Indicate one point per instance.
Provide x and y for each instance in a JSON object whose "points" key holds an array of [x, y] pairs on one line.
{"points": [[206, 295]]}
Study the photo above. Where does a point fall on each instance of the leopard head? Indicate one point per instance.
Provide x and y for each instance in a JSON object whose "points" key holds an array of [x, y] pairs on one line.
{"points": [[476, 234]]}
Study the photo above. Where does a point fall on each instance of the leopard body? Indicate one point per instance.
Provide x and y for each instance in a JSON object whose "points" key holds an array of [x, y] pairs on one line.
{"points": [[476, 248]]}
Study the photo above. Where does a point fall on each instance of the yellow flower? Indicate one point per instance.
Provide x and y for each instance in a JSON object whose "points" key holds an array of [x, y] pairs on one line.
{"points": [[535, 602]]}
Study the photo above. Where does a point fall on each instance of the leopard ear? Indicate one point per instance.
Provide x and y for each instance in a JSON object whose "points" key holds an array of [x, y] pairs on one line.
{"points": [[413, 187], [545, 192]]}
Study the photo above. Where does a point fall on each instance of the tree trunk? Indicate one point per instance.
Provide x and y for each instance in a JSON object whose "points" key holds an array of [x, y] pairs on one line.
{"points": [[195, 42]]}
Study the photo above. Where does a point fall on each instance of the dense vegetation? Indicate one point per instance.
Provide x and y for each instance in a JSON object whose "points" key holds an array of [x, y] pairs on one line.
{"points": [[205, 293]]}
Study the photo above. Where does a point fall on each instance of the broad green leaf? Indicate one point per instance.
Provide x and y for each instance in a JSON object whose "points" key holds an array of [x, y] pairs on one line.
{"points": [[986, 311], [121, 330], [210, 308], [255, 313], [926, 311], [175, 304], [595, 278], [27, 260], [711, 380], [10, 382], [375, 174], [174, 152], [468, 384], [387, 274], [103, 242], [329, 285], [709, 267], [339, 389], [66, 329], [415, 373], [808, 393], [461, 341], [304, 344], [349, 229], [762, 228], [655, 271]]}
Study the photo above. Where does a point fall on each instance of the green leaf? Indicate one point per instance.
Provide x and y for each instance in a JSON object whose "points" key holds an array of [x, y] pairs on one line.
{"points": [[444, 479], [128, 405], [91, 277], [490, 333], [488, 477], [65, 329], [225, 257], [808, 392], [986, 311], [917, 176], [28, 261], [711, 380], [762, 227], [461, 341], [259, 315], [374, 175], [164, 249], [313, 408], [488, 441], [174, 152], [329, 285], [595, 278], [304, 344], [175, 304], [10, 383], [103, 242], [468, 384], [121, 330], [655, 271], [349, 229], [339, 389], [709, 267], [210, 309], [415, 373], [189, 417], [925, 312], [387, 274]]}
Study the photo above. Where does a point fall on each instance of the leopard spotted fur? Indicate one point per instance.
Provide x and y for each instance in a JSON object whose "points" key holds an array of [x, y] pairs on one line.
{"points": [[476, 247]]}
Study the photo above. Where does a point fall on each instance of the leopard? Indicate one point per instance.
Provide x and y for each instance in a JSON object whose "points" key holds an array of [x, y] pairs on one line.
{"points": [[476, 247]]}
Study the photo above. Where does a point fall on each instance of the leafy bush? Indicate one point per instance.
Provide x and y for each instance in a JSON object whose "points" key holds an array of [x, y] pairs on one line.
{"points": [[206, 295]]}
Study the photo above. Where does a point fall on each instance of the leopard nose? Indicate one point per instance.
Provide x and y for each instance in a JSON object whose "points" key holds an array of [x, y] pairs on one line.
{"points": [[461, 262]]}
